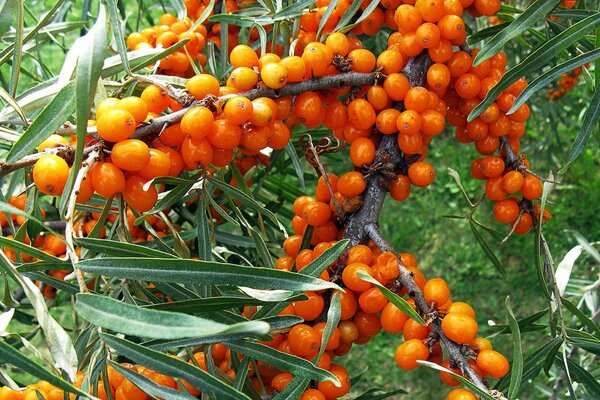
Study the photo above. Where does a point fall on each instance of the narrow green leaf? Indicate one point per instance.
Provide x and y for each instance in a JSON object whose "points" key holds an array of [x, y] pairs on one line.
{"points": [[180, 10], [286, 362], [537, 59], [487, 249], [89, 67], [149, 386], [202, 272], [589, 124], [50, 119], [119, 249], [21, 247], [294, 389], [471, 386], [207, 304], [167, 365], [584, 319], [579, 374], [534, 13], [328, 12], [333, 319], [12, 356], [296, 163], [516, 370], [247, 200], [132, 320], [325, 259], [18, 45], [203, 227], [549, 76], [4, 95], [8, 10], [394, 298], [115, 21]]}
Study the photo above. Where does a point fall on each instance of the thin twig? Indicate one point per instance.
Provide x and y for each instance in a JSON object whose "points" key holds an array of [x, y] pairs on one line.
{"points": [[406, 278], [70, 214]]}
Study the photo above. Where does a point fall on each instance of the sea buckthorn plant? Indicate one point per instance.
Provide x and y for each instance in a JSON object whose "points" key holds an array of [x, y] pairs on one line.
{"points": [[191, 204]]}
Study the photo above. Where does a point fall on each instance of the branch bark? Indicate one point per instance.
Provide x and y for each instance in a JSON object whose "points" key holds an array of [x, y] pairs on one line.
{"points": [[363, 224]]}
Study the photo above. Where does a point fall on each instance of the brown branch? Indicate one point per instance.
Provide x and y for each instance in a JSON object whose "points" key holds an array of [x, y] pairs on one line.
{"points": [[155, 126], [363, 224], [407, 280]]}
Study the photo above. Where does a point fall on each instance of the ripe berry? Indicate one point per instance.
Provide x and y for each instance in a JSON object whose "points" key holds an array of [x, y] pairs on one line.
{"points": [[493, 363], [352, 280], [461, 394], [329, 389], [351, 184], [50, 174], [506, 211], [115, 125], [108, 179], [436, 291], [421, 174], [137, 197], [274, 75], [409, 352], [362, 151], [393, 319], [459, 328], [303, 340], [532, 187], [130, 155]]}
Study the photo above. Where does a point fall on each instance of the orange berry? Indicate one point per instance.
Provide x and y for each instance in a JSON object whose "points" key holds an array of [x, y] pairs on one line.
{"points": [[352, 280], [329, 389], [130, 154], [108, 179], [351, 184], [459, 307], [303, 340], [243, 56], [460, 394], [436, 291], [459, 327], [362, 151], [136, 106], [50, 174], [238, 110], [532, 187], [361, 114], [202, 85], [136, 197], [224, 134], [493, 363], [115, 125], [421, 174], [409, 352], [400, 188], [197, 122], [155, 98], [274, 75]]}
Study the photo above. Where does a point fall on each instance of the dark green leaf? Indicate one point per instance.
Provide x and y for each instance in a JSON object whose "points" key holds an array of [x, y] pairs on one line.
{"points": [[202, 272], [119, 249], [551, 75], [167, 365], [132, 320], [589, 124], [487, 249], [537, 59], [203, 226], [286, 362], [49, 120], [10, 355], [393, 298], [584, 319], [149, 386], [534, 13], [516, 373]]}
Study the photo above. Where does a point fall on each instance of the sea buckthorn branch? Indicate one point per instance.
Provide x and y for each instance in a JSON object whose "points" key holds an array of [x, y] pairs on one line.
{"points": [[406, 279], [66, 152], [352, 79], [93, 156]]}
